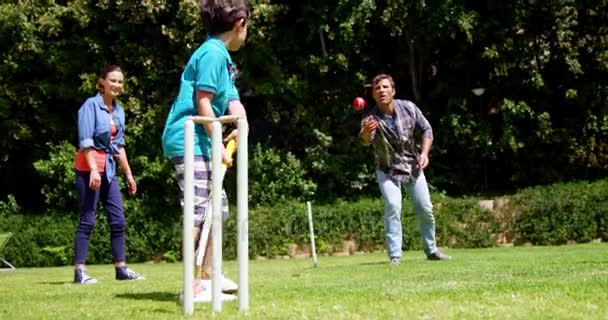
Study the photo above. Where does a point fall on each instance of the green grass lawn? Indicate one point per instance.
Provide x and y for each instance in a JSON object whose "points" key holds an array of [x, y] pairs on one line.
{"points": [[566, 282]]}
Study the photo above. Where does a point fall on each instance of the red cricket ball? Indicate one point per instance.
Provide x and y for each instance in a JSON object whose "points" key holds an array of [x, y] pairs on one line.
{"points": [[359, 103]]}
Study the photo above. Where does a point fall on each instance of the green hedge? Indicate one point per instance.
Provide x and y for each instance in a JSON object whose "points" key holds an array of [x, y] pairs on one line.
{"points": [[561, 213], [460, 223], [154, 234], [548, 215]]}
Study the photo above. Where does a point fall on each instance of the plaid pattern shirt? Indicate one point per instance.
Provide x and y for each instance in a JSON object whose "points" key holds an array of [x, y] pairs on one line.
{"points": [[393, 140]]}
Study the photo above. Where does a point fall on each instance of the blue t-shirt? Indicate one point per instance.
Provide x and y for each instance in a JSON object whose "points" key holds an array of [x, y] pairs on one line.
{"points": [[209, 69]]}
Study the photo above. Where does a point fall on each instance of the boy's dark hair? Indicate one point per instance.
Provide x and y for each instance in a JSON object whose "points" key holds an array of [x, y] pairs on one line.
{"points": [[219, 16]]}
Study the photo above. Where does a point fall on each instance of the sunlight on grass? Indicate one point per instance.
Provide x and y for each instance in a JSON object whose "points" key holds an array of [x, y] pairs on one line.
{"points": [[566, 282]]}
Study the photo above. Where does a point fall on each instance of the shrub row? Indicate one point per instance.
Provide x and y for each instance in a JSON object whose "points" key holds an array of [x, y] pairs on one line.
{"points": [[560, 213], [548, 215]]}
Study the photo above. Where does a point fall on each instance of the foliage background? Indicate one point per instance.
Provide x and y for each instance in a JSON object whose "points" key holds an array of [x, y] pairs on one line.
{"points": [[543, 117]]}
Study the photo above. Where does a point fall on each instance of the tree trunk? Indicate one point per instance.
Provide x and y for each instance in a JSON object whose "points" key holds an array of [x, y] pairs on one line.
{"points": [[413, 68]]}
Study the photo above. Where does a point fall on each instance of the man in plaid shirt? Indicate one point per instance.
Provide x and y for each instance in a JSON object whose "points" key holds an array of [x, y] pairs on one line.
{"points": [[389, 127]]}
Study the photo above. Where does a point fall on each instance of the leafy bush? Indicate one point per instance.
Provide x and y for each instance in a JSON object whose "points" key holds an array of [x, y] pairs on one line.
{"points": [[548, 215], [38, 240], [58, 171], [48, 240], [9, 207], [276, 176], [462, 223], [560, 213], [459, 223], [154, 233]]}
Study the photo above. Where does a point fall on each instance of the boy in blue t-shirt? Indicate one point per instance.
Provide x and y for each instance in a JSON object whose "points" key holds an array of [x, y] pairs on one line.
{"points": [[207, 89]]}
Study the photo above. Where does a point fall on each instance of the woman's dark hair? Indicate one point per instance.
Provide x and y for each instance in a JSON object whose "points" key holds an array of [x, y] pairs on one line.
{"points": [[219, 16], [104, 74]]}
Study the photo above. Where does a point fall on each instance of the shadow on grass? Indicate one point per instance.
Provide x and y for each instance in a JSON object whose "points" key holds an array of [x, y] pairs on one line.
{"points": [[156, 296], [343, 266], [56, 283], [159, 310], [375, 263]]}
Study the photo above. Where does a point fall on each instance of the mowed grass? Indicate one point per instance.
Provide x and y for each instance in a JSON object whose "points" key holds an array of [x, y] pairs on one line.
{"points": [[565, 282]]}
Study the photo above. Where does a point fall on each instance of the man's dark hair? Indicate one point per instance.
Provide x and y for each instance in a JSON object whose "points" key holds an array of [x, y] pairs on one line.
{"points": [[381, 77], [219, 16]]}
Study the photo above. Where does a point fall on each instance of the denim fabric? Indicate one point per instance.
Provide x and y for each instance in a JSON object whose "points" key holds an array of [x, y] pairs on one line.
{"points": [[418, 192], [109, 194], [94, 130]]}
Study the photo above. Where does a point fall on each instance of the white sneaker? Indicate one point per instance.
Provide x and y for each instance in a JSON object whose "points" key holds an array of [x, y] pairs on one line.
{"points": [[228, 286], [205, 296]]}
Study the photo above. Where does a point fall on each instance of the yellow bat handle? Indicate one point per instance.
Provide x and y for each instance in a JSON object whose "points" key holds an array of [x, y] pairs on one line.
{"points": [[230, 148]]}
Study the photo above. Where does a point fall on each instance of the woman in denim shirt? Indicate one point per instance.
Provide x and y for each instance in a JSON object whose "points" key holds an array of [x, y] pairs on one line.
{"points": [[101, 128]]}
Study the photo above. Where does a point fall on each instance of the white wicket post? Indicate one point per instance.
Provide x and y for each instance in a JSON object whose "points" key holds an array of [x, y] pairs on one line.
{"points": [[312, 234], [216, 215], [187, 234], [242, 202]]}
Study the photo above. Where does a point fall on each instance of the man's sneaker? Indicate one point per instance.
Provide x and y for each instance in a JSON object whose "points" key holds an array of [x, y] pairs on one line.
{"points": [[438, 255], [124, 273], [81, 277], [395, 261]]}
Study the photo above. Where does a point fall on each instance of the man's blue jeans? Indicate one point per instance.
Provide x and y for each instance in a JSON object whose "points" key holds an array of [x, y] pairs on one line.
{"points": [[418, 192]]}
